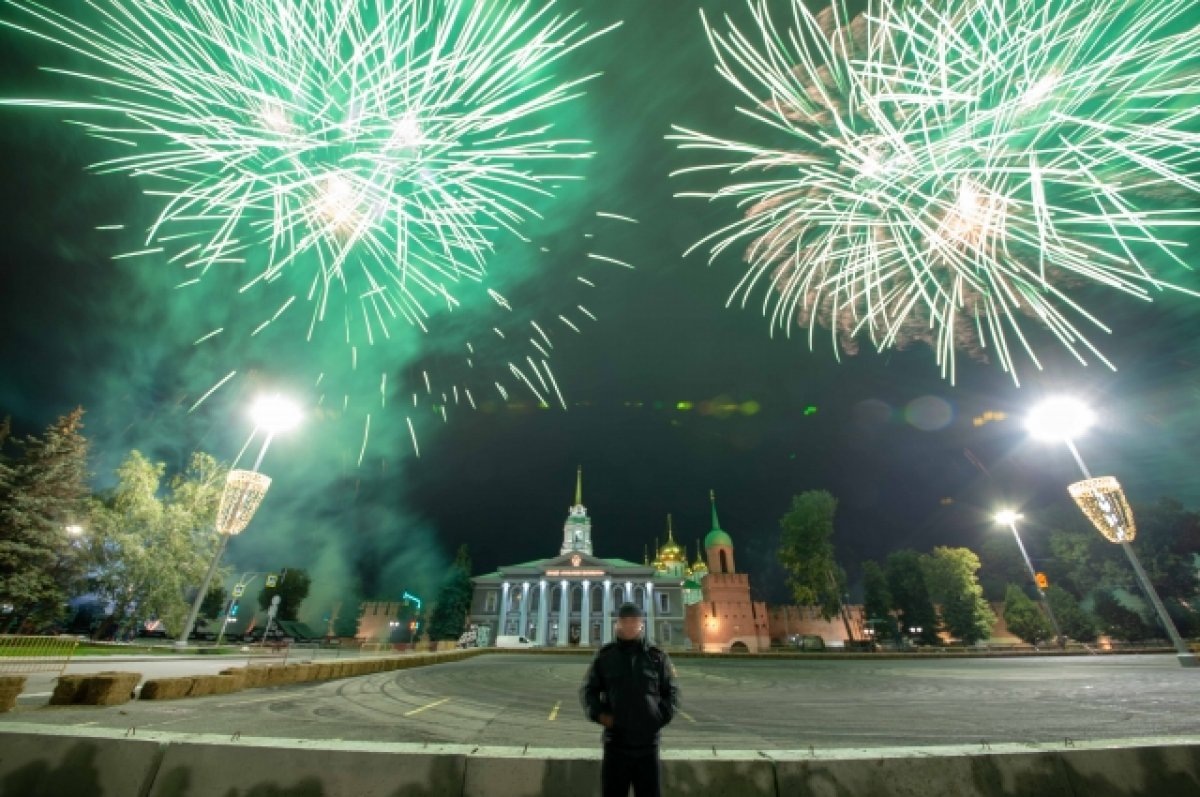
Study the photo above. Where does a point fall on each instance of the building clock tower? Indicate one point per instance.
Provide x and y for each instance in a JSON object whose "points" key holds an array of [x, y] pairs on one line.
{"points": [[577, 531]]}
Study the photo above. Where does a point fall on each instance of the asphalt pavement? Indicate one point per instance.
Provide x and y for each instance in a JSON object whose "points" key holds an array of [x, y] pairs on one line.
{"points": [[728, 704]]}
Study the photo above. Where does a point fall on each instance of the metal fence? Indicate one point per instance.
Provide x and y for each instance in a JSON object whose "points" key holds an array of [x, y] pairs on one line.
{"points": [[25, 654]]}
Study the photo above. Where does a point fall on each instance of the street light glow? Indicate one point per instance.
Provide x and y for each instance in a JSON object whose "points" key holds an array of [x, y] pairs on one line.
{"points": [[74, 529], [1007, 517], [1061, 418], [275, 414]]}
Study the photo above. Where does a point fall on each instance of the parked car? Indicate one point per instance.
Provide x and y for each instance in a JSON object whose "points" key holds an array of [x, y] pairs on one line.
{"points": [[514, 642]]}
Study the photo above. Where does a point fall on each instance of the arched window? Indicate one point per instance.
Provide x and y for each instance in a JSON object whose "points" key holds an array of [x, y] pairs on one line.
{"points": [[724, 562]]}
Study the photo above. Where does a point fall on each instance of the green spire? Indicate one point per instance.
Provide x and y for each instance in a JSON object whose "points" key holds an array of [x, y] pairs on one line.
{"points": [[670, 531], [579, 486], [716, 536]]}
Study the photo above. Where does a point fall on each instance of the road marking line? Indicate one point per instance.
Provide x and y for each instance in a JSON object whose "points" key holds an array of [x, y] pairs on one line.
{"points": [[37, 694], [85, 724], [554, 711], [259, 700], [685, 715], [429, 705]]}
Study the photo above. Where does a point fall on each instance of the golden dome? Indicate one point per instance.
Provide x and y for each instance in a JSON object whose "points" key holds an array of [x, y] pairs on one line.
{"points": [[671, 550], [699, 567]]}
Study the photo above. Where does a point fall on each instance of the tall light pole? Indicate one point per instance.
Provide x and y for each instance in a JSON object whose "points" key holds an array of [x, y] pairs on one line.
{"points": [[244, 491], [1007, 517], [1102, 500]]}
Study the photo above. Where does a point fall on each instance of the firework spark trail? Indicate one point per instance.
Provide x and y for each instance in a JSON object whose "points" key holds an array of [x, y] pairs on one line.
{"points": [[389, 142], [364, 157], [957, 170]]}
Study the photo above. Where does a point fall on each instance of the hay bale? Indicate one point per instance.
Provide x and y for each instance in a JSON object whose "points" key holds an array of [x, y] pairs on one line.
{"points": [[67, 690], [109, 688], [204, 685], [166, 688], [256, 676], [303, 673], [228, 684], [10, 687], [277, 675], [238, 676]]}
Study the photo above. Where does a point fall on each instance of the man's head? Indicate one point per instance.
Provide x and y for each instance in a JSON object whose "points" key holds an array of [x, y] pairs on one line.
{"points": [[630, 621]]}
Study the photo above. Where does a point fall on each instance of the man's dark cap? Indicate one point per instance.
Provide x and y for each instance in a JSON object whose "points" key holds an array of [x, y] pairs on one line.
{"points": [[630, 610]]}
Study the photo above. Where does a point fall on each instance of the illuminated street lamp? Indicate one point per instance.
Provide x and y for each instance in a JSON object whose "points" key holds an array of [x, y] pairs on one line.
{"points": [[244, 491], [1007, 517], [1102, 500]]}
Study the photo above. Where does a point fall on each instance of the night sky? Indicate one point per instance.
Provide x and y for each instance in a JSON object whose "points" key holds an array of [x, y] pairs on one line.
{"points": [[768, 418]]}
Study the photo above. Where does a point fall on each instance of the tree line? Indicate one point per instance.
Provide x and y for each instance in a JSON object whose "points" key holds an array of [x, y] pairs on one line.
{"points": [[139, 548], [918, 596]]}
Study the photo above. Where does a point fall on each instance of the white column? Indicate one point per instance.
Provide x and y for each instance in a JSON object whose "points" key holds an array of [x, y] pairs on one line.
{"points": [[650, 612], [543, 614], [563, 615], [503, 610], [524, 629], [585, 611], [606, 622]]}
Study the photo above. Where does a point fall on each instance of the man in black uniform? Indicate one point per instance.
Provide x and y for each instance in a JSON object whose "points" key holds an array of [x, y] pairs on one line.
{"points": [[630, 689]]}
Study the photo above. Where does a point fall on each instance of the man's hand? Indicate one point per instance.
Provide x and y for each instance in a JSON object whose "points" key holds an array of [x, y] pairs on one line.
{"points": [[606, 720]]}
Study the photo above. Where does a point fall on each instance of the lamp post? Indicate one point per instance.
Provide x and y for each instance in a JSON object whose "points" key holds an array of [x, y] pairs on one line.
{"points": [[1009, 518], [1102, 500], [244, 491]]}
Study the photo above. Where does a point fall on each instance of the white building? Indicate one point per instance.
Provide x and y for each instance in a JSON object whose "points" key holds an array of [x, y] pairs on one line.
{"points": [[572, 598]]}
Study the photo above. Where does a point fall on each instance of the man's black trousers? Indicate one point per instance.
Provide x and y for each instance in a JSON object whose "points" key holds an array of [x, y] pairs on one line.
{"points": [[623, 768]]}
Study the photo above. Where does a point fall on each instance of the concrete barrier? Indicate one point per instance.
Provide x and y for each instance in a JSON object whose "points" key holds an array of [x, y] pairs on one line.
{"points": [[262, 767], [39, 761]]}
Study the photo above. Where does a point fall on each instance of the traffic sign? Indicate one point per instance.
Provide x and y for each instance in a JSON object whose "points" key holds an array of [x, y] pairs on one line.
{"points": [[1042, 581], [272, 580], [239, 590]]}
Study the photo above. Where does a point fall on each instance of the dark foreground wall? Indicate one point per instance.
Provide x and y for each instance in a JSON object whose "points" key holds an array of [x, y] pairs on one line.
{"points": [[41, 761]]}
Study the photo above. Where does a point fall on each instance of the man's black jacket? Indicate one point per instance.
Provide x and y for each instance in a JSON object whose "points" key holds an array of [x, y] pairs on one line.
{"points": [[635, 683]]}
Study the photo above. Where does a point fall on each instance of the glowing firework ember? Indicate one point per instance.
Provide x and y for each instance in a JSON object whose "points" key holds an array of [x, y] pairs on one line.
{"points": [[950, 172], [375, 147], [367, 157]]}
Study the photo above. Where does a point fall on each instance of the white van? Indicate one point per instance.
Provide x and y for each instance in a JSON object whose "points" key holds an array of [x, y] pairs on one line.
{"points": [[514, 642]]}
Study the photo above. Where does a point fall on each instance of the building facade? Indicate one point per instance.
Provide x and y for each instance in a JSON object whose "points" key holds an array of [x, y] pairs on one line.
{"points": [[572, 598], [725, 619]]}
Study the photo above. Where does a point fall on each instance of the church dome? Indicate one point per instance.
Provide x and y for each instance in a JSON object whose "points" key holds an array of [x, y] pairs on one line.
{"points": [[717, 537], [671, 550]]}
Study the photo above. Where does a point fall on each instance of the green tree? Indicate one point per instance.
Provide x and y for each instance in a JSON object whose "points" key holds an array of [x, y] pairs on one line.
{"points": [[214, 602], [1118, 621], [877, 601], [1073, 621], [806, 552], [145, 550], [1024, 619], [42, 492], [1001, 565], [1168, 536], [453, 603], [910, 595], [292, 589], [950, 576]]}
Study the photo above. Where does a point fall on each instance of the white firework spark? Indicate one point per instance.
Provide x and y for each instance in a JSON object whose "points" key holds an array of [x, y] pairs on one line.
{"points": [[952, 171]]}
